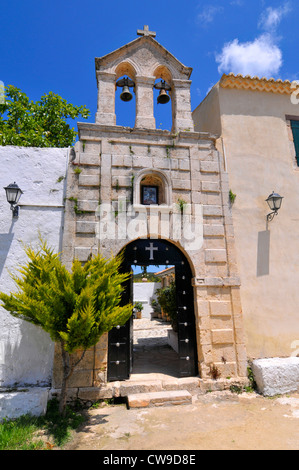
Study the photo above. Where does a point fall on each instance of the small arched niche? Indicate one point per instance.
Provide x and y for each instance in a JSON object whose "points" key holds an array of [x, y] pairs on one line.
{"points": [[125, 111], [152, 187]]}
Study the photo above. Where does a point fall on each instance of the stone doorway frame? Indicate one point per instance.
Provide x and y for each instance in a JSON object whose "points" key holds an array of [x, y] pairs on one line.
{"points": [[147, 252]]}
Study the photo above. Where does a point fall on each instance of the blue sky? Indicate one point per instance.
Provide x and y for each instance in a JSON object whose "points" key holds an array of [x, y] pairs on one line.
{"points": [[51, 45]]}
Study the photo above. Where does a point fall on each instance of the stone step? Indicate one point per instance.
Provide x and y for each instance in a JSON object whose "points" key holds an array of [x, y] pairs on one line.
{"points": [[152, 399]]}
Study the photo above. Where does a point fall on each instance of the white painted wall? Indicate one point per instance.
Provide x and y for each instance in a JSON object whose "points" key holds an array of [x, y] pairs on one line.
{"points": [[26, 351], [260, 158], [144, 292]]}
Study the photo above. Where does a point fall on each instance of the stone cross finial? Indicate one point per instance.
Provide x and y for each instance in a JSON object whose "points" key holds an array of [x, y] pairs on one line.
{"points": [[145, 32]]}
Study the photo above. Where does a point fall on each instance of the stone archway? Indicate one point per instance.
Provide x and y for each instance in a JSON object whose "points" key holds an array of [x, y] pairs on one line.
{"points": [[120, 343]]}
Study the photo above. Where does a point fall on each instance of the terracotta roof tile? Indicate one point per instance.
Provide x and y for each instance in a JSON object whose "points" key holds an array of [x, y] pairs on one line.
{"points": [[258, 84]]}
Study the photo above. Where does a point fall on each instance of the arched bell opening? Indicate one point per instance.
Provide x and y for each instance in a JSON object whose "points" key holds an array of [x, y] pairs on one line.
{"points": [[125, 101], [162, 93], [160, 253]]}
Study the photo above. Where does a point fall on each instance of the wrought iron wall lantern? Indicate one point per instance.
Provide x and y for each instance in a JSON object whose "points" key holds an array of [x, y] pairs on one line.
{"points": [[13, 194], [163, 97], [274, 202], [125, 83]]}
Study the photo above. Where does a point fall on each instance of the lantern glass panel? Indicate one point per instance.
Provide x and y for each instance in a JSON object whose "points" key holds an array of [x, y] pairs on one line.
{"points": [[277, 203], [274, 201], [271, 203], [13, 193]]}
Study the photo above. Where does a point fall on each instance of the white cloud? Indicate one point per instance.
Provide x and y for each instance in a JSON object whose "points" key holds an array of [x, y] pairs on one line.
{"points": [[208, 14], [238, 3], [271, 17], [261, 57]]}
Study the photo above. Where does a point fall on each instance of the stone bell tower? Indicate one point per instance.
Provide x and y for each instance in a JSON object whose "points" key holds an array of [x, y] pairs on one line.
{"points": [[144, 61], [163, 197]]}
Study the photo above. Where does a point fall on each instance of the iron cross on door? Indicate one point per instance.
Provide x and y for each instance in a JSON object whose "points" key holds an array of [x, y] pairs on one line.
{"points": [[151, 249]]}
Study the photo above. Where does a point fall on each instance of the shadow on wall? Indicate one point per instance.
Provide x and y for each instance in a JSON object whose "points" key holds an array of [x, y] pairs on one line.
{"points": [[263, 254], [5, 243], [27, 358]]}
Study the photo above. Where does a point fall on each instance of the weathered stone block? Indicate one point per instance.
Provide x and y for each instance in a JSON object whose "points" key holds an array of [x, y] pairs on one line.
{"points": [[142, 162], [88, 193], [205, 336], [210, 186], [95, 393], [129, 388], [196, 185], [181, 184], [184, 165], [215, 256], [88, 205], [209, 167], [100, 358], [117, 160], [85, 227], [166, 398], [90, 159], [203, 308], [221, 323], [161, 163], [219, 308], [224, 353], [81, 378], [212, 211], [89, 180], [222, 336], [21, 402], [276, 375], [103, 342], [213, 230], [83, 253], [121, 181]]}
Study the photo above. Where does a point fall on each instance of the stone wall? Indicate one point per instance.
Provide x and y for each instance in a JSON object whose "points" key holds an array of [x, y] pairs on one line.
{"points": [[111, 160], [26, 351]]}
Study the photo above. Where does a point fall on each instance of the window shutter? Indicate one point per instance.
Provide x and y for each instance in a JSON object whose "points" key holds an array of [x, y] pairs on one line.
{"points": [[295, 129]]}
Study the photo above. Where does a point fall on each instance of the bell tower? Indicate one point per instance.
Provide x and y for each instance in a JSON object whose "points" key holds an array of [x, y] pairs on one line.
{"points": [[142, 62]]}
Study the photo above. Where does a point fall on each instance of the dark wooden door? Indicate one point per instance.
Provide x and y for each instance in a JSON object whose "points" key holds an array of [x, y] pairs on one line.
{"points": [[120, 349], [120, 340], [186, 322]]}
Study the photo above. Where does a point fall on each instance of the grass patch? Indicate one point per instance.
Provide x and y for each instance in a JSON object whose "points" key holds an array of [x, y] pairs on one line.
{"points": [[31, 433], [19, 434]]}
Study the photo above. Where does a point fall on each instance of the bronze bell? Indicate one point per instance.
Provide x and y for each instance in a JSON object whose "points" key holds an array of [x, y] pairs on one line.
{"points": [[125, 83], [163, 97], [126, 95]]}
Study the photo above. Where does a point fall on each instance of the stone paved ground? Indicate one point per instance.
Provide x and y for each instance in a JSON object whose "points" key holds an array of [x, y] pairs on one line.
{"points": [[216, 421], [146, 329], [153, 358]]}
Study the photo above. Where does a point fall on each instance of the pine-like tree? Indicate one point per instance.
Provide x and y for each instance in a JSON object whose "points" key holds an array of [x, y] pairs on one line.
{"points": [[76, 308]]}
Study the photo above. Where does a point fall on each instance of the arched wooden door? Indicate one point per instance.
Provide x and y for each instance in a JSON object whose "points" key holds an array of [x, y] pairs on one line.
{"points": [[120, 346]]}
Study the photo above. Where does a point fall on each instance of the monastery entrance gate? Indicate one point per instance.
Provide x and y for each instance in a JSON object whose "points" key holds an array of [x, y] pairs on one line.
{"points": [[164, 196], [120, 343]]}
